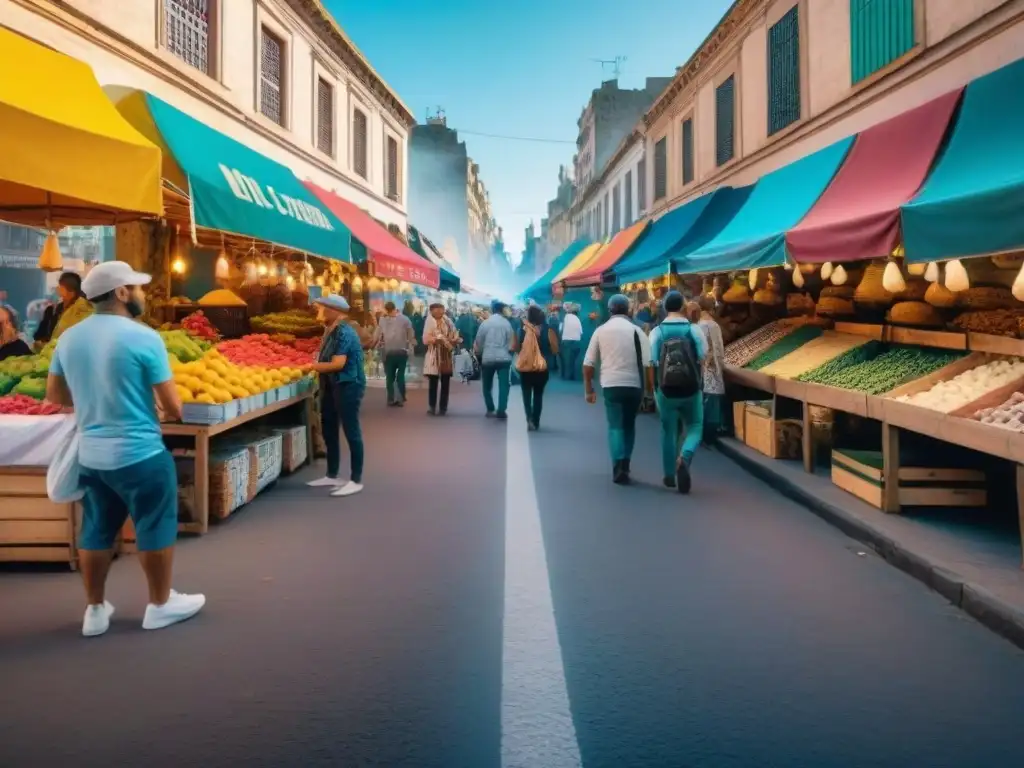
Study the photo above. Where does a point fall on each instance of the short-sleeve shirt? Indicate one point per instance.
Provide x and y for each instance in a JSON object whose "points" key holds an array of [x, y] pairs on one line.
{"points": [[494, 338], [346, 342], [672, 327], [111, 364]]}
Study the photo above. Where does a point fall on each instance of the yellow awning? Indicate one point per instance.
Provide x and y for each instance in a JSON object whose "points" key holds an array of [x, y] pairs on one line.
{"points": [[583, 259], [67, 157]]}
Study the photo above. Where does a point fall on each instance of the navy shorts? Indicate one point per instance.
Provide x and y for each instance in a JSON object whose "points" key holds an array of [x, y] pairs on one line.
{"points": [[146, 491]]}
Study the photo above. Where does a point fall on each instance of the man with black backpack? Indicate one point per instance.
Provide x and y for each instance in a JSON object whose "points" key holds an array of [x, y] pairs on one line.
{"points": [[677, 349]]}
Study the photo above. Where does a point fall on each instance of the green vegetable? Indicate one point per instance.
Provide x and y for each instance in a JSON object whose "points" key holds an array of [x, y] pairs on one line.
{"points": [[7, 383], [32, 387], [785, 345], [875, 369]]}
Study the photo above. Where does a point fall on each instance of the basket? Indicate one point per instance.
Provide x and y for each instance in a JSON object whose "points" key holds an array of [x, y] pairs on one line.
{"points": [[230, 322], [832, 306], [870, 289], [940, 296], [915, 313]]}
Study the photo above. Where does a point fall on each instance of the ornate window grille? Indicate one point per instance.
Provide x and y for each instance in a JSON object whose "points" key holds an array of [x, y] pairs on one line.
{"points": [[187, 31], [360, 134], [392, 169], [325, 117], [271, 77]]}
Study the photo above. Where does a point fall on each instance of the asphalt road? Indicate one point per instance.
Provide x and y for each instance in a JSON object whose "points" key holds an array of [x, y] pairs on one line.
{"points": [[400, 627]]}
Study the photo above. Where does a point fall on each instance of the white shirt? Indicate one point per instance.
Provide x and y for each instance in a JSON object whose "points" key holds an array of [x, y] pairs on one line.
{"points": [[572, 328], [613, 346]]}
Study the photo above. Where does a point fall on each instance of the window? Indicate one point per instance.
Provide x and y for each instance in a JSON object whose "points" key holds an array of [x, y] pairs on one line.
{"points": [[627, 199], [360, 149], [616, 208], [187, 31], [325, 117], [725, 121], [880, 32], [272, 77], [641, 187], [660, 168], [391, 171], [687, 151], [784, 72]]}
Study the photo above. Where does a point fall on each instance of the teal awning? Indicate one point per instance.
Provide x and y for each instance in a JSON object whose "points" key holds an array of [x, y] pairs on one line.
{"points": [[756, 235], [540, 289], [678, 232], [421, 244], [231, 188], [972, 203]]}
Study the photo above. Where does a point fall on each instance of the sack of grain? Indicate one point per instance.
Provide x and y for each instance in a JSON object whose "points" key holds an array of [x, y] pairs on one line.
{"points": [[799, 304], [870, 289], [987, 297], [838, 291], [939, 296], [833, 306], [915, 290], [915, 313]]}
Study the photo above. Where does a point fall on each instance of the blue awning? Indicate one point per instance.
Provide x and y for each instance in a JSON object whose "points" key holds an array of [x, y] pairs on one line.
{"points": [[972, 203], [756, 235], [421, 244], [540, 289]]}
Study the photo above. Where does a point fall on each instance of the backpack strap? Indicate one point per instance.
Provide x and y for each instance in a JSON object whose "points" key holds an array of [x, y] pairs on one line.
{"points": [[639, 359]]}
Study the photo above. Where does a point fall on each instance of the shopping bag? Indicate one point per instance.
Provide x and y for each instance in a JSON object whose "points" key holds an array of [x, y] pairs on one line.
{"points": [[63, 484]]}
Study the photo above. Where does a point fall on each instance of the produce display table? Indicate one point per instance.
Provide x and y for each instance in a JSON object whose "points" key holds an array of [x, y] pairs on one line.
{"points": [[199, 436]]}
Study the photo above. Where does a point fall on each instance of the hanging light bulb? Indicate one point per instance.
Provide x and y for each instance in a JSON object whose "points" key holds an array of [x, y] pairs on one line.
{"points": [[178, 266], [50, 259], [956, 276], [222, 269], [290, 282], [826, 270], [892, 278], [752, 278], [915, 270], [1018, 285], [931, 272], [261, 269], [798, 278], [839, 276]]}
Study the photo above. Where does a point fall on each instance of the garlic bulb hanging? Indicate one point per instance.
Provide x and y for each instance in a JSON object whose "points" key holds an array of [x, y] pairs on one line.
{"points": [[752, 279], [892, 278], [826, 270], [839, 276], [956, 277], [798, 278], [915, 270], [931, 272], [1018, 285]]}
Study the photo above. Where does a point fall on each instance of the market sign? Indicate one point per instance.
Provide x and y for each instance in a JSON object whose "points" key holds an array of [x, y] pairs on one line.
{"points": [[400, 270], [249, 189]]}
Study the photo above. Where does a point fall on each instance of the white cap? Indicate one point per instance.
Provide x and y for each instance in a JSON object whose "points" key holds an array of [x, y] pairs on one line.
{"points": [[105, 277]]}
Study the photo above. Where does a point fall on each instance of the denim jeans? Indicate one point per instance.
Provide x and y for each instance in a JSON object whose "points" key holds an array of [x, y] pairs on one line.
{"points": [[339, 411], [488, 372], [394, 374], [621, 406], [679, 415], [570, 360]]}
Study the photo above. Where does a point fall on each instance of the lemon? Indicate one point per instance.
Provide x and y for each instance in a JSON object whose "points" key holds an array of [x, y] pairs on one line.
{"points": [[205, 397]]}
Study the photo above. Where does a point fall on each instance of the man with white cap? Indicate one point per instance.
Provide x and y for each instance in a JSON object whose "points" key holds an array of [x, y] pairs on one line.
{"points": [[114, 371]]}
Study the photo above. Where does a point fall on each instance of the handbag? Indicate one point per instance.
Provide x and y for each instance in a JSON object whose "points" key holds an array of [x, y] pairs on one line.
{"points": [[63, 476]]}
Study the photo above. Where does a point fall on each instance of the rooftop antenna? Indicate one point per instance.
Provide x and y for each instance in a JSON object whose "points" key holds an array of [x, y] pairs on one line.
{"points": [[615, 64]]}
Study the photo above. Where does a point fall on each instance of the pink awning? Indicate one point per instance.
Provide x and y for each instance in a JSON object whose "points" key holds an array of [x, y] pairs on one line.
{"points": [[857, 217]]}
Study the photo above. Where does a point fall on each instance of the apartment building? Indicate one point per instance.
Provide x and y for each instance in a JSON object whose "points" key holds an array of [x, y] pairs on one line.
{"points": [[280, 76], [778, 79], [615, 198]]}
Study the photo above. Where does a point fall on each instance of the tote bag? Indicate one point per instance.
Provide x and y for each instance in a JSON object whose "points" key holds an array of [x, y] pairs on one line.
{"points": [[63, 482]]}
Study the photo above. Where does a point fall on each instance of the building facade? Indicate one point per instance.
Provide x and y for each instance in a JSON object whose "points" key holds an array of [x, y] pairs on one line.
{"points": [[614, 199], [779, 79], [556, 232], [280, 76]]}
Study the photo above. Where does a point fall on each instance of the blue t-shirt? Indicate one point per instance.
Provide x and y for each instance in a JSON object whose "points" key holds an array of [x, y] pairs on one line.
{"points": [[494, 340], [675, 326], [346, 342], [111, 364]]}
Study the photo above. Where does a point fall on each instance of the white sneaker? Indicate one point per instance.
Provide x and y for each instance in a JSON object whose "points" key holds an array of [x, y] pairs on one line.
{"points": [[177, 608], [348, 489], [324, 482], [97, 619]]}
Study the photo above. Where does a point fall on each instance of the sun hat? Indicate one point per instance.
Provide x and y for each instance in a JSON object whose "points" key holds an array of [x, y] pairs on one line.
{"points": [[334, 301], [105, 277]]}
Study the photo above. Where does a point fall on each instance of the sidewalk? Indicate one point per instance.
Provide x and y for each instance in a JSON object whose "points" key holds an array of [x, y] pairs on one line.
{"points": [[976, 570]]}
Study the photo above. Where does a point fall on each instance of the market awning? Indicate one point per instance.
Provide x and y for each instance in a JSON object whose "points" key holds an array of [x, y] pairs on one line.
{"points": [[541, 287], [858, 216], [972, 203], [390, 258], [583, 259], [755, 237], [609, 256], [231, 188], [66, 155], [421, 244]]}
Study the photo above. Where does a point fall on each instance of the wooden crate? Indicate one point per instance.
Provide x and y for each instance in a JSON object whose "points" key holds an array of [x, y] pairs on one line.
{"points": [[775, 438], [860, 473], [32, 528], [739, 412]]}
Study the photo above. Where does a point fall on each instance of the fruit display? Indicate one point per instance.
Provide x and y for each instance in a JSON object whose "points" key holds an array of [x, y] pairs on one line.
{"points": [[297, 322], [214, 379], [788, 343], [814, 353], [7, 383], [71, 316], [874, 369], [199, 325], [1009, 415], [25, 375], [221, 297], [261, 350], [743, 350], [22, 405], [966, 387], [31, 386], [183, 346]]}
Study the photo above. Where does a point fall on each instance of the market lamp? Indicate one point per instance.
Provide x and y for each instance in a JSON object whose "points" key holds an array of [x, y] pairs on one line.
{"points": [[178, 265], [892, 278], [222, 269], [956, 276], [50, 259], [931, 272], [752, 278], [839, 275], [826, 270]]}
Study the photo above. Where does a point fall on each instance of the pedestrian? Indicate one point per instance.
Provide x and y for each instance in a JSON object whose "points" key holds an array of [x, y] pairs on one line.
{"points": [[538, 343], [624, 354], [677, 347], [342, 380], [495, 346], [11, 343], [554, 323], [441, 338], [69, 290], [572, 334], [114, 372], [395, 336], [714, 369]]}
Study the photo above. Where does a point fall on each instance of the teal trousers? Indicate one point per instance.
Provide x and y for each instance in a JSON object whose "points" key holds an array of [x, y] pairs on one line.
{"points": [[621, 406], [680, 417]]}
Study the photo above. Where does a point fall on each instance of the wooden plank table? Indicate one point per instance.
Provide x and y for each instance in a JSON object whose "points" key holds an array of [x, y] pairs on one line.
{"points": [[200, 435]]}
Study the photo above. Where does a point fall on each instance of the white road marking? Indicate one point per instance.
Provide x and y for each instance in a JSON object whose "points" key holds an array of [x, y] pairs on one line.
{"points": [[537, 730]]}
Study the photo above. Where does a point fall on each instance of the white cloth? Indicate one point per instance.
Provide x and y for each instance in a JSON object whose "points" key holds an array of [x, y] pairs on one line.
{"points": [[613, 348], [32, 441], [572, 328]]}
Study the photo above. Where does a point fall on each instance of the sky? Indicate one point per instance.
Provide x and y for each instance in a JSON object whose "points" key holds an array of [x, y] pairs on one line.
{"points": [[520, 68]]}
